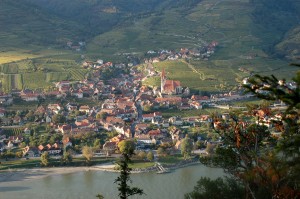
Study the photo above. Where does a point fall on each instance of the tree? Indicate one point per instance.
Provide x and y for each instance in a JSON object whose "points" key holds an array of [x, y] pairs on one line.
{"points": [[216, 189], [97, 143], [161, 151], [142, 155], [127, 149], [210, 148], [186, 147], [19, 154], [150, 156], [88, 153], [66, 158], [58, 118], [102, 115], [45, 159], [265, 167]]}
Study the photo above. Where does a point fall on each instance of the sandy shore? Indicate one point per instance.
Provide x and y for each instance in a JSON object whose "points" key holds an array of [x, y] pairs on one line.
{"points": [[29, 174]]}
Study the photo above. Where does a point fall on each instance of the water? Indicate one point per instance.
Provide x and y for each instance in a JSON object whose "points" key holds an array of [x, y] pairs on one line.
{"points": [[87, 184]]}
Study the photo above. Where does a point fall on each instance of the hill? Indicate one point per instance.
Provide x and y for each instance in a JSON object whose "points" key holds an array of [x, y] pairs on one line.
{"points": [[26, 26], [254, 34]]}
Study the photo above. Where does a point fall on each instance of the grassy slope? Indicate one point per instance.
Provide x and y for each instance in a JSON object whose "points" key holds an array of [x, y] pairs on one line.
{"points": [[229, 22]]}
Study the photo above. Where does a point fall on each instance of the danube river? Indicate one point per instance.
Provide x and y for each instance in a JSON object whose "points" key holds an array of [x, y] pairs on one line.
{"points": [[86, 184]]}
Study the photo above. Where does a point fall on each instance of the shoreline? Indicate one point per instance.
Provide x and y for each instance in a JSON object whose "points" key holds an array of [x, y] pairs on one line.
{"points": [[13, 175]]}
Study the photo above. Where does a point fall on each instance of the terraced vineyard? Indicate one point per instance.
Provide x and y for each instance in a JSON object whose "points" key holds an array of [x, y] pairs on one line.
{"points": [[77, 74], [13, 131], [39, 73]]}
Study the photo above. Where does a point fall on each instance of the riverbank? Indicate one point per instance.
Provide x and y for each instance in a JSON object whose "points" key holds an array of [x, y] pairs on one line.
{"points": [[37, 173]]}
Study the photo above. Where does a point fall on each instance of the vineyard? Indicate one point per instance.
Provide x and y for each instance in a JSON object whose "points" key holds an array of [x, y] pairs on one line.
{"points": [[6, 82], [78, 74], [57, 76], [38, 73], [10, 68], [34, 80], [13, 131]]}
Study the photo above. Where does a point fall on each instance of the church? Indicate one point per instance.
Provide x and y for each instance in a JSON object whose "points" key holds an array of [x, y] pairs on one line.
{"points": [[170, 87]]}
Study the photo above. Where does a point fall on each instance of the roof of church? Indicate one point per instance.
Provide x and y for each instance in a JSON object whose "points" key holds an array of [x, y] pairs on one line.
{"points": [[171, 85]]}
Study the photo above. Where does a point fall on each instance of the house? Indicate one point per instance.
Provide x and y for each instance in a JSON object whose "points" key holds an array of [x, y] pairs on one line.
{"points": [[57, 94], [54, 149], [84, 109], [110, 147], [16, 139], [66, 142], [30, 97], [55, 108], [143, 140], [77, 93], [71, 106], [141, 128], [196, 104], [64, 128], [27, 131], [123, 130], [9, 145], [31, 151], [176, 134], [177, 121], [178, 145], [117, 138], [156, 134], [17, 120], [174, 100], [151, 116], [40, 110]]}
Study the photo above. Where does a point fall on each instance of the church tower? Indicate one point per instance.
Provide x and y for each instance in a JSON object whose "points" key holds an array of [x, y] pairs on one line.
{"points": [[162, 80]]}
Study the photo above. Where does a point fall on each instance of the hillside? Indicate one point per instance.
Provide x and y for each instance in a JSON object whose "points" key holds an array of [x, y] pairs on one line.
{"points": [[25, 26], [254, 34]]}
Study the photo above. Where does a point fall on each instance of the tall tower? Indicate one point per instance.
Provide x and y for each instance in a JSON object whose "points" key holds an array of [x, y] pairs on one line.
{"points": [[162, 80]]}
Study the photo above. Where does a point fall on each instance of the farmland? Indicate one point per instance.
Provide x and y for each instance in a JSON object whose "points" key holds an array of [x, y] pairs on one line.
{"points": [[198, 78], [40, 72]]}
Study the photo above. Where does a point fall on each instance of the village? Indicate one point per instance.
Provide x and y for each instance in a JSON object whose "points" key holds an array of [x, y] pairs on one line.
{"points": [[123, 108]]}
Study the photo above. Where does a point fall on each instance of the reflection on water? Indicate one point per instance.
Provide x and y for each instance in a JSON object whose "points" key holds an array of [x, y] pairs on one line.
{"points": [[87, 184]]}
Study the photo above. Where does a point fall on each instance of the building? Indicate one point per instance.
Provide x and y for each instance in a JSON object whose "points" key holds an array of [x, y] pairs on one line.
{"points": [[169, 86]]}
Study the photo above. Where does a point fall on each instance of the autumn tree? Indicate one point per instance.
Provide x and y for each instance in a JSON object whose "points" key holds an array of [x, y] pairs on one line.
{"points": [[150, 156], [264, 166], [66, 158], [186, 147], [142, 155], [45, 159], [88, 153]]}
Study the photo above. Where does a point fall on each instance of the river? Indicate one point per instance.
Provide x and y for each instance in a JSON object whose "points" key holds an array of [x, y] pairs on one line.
{"points": [[86, 184]]}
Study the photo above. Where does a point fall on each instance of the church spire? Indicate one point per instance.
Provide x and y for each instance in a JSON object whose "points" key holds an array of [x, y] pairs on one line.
{"points": [[162, 80], [163, 74]]}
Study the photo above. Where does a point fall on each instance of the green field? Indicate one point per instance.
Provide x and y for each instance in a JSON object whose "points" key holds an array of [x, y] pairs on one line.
{"points": [[40, 73]]}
